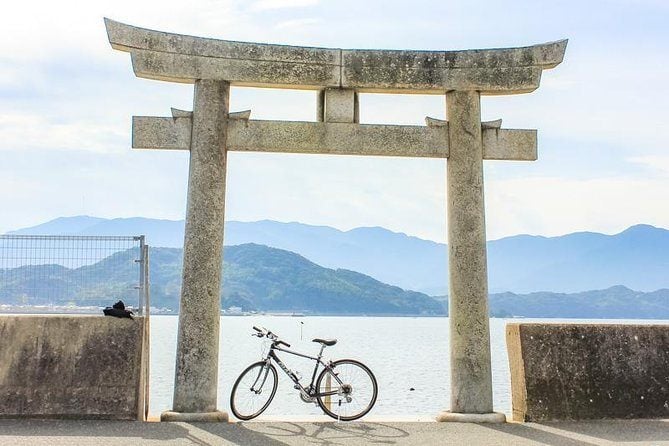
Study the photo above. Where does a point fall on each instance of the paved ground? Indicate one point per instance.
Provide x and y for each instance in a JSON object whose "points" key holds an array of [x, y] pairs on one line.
{"points": [[74, 433]]}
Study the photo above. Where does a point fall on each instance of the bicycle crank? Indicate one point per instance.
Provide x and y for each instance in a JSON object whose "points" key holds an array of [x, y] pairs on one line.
{"points": [[306, 397]]}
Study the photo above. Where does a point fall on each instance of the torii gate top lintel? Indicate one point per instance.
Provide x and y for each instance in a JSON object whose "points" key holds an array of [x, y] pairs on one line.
{"points": [[181, 58]]}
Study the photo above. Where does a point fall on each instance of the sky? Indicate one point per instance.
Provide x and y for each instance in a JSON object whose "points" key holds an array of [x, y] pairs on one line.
{"points": [[67, 98]]}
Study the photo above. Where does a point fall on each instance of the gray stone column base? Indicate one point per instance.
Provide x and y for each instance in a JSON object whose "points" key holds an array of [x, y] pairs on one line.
{"points": [[492, 417], [195, 417]]}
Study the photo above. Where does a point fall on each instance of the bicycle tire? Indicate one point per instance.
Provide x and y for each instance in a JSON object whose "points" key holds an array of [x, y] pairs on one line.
{"points": [[252, 376], [355, 374]]}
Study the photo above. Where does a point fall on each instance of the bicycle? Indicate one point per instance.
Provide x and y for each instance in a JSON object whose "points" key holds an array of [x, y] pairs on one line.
{"points": [[345, 389]]}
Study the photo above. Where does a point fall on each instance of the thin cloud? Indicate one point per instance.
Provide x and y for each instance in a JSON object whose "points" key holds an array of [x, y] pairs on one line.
{"points": [[658, 163], [297, 23], [29, 132], [606, 205], [264, 5]]}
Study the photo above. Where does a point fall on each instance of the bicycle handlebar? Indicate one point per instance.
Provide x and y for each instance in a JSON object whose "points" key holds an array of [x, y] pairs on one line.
{"points": [[265, 333]]}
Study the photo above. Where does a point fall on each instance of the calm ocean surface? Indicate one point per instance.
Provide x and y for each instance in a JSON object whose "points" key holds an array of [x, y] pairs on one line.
{"points": [[403, 353]]}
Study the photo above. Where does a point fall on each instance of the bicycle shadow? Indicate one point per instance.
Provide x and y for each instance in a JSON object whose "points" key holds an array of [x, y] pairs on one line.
{"points": [[323, 433]]}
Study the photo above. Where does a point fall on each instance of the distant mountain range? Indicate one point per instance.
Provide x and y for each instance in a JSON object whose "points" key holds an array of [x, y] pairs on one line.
{"points": [[267, 279], [616, 302], [256, 277], [637, 258]]}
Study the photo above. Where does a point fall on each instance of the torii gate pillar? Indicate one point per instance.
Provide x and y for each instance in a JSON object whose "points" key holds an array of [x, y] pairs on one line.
{"points": [[471, 376], [338, 75], [196, 371]]}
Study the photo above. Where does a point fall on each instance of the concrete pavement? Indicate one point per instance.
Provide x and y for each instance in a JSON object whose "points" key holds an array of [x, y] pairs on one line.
{"points": [[111, 433]]}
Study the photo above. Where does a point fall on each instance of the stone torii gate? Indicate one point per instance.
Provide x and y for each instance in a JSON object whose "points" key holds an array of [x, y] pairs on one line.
{"points": [[210, 131]]}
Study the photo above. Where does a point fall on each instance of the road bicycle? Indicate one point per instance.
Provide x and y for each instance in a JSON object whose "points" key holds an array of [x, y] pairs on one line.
{"points": [[345, 389]]}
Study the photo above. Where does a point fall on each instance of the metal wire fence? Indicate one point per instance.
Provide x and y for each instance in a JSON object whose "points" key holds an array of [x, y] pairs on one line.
{"points": [[72, 273]]}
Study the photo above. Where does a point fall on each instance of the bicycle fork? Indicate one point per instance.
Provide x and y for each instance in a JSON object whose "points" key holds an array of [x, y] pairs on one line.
{"points": [[264, 371]]}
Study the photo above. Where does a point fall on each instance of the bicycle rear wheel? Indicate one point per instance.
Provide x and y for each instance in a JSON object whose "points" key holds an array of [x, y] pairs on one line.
{"points": [[254, 390], [347, 390]]}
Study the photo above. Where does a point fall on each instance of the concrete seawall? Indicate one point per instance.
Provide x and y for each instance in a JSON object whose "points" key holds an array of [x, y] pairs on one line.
{"points": [[73, 367], [588, 371]]}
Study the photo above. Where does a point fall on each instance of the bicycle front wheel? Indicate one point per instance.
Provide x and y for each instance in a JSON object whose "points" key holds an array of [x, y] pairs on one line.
{"points": [[254, 390], [347, 390]]}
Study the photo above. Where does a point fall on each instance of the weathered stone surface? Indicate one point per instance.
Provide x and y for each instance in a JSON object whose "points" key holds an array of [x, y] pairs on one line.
{"points": [[198, 417], [73, 367], [546, 55], [454, 417], [341, 105], [196, 377], [338, 138], [471, 378], [333, 138], [506, 144], [179, 58], [161, 133], [320, 106], [387, 79], [177, 113], [182, 68], [487, 125], [128, 38], [243, 115], [588, 371]]}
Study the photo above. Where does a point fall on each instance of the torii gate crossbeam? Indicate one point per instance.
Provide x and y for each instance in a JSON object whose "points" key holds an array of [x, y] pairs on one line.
{"points": [[210, 131]]}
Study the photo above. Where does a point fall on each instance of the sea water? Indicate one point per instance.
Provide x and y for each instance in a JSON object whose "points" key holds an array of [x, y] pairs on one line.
{"points": [[408, 355]]}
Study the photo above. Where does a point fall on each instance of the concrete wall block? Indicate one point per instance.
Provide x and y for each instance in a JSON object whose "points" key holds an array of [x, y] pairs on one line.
{"points": [[588, 371], [73, 367]]}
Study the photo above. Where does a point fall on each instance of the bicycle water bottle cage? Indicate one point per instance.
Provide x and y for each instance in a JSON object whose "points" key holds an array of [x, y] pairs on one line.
{"points": [[328, 342]]}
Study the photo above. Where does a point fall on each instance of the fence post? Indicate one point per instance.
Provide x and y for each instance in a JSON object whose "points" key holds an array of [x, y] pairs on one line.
{"points": [[142, 275], [147, 327]]}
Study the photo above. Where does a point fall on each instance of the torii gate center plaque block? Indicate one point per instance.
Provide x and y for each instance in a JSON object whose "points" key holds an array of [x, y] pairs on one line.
{"points": [[210, 131]]}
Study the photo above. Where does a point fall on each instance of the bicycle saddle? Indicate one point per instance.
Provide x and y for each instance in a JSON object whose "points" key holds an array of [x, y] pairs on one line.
{"points": [[327, 342]]}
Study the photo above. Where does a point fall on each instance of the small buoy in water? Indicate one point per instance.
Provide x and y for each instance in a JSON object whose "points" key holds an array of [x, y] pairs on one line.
{"points": [[411, 389]]}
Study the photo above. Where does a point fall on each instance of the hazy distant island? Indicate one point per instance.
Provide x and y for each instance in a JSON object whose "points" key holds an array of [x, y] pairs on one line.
{"points": [[261, 278]]}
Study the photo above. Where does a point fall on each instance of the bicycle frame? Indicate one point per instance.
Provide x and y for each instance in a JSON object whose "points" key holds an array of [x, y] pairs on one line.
{"points": [[309, 392]]}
